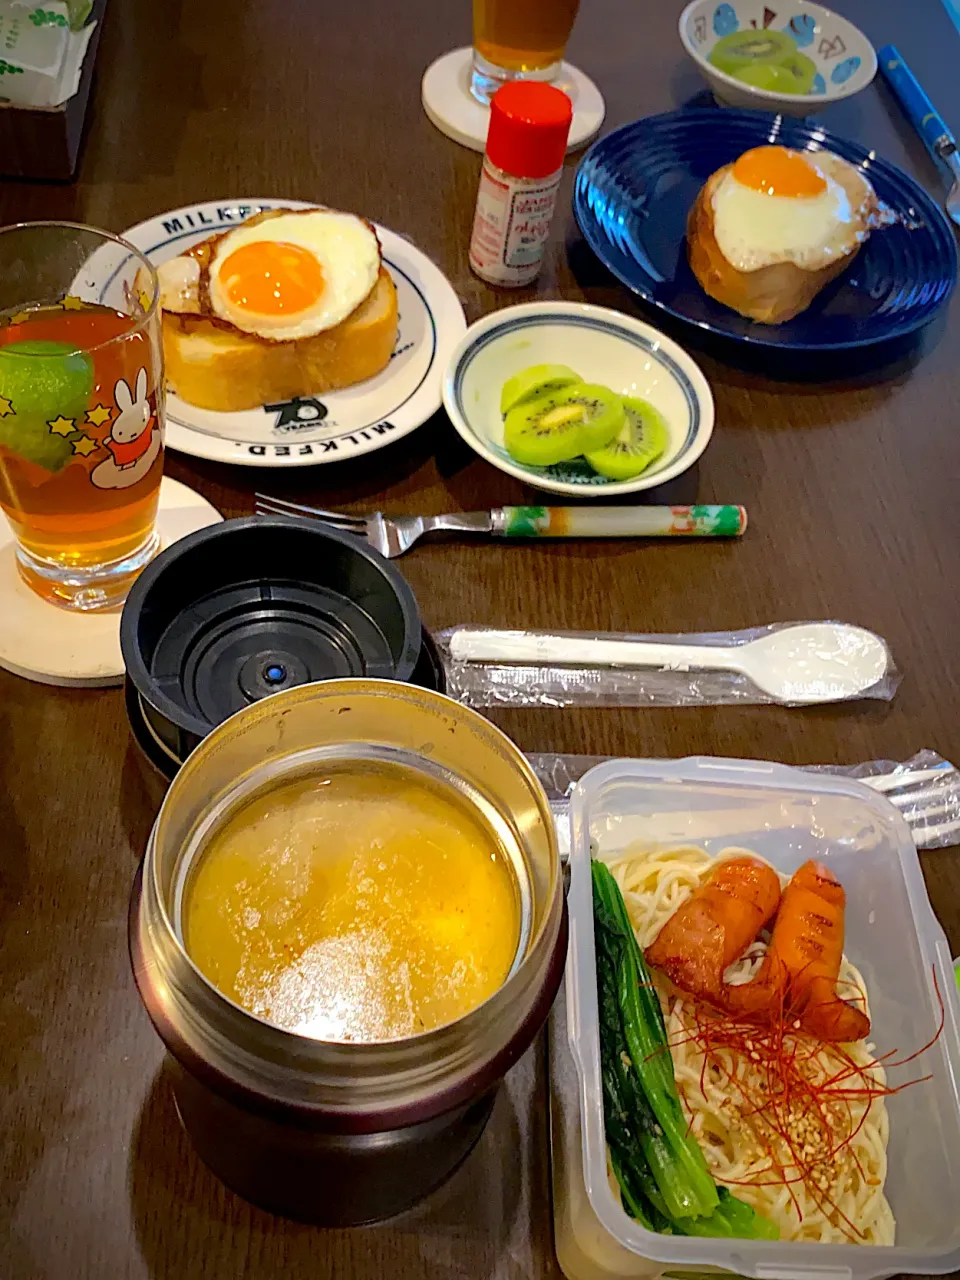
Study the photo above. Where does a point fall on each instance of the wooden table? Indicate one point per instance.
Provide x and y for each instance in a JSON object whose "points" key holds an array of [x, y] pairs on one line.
{"points": [[852, 493]]}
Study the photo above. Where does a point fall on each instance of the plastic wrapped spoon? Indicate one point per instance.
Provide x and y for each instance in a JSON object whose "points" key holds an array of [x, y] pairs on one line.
{"points": [[807, 663]]}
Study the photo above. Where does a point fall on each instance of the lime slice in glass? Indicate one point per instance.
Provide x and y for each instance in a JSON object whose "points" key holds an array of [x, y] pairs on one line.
{"points": [[43, 383]]}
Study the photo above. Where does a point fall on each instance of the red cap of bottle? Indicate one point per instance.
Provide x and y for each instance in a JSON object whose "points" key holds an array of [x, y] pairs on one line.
{"points": [[529, 125]]}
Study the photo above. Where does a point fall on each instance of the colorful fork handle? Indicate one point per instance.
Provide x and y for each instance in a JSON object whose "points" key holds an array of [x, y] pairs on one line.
{"points": [[619, 522], [917, 107]]}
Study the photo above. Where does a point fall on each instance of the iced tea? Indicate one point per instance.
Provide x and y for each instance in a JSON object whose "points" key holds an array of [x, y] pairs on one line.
{"points": [[81, 442], [523, 35]]}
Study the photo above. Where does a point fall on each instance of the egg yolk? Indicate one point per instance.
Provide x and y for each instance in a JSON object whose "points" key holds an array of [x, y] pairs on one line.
{"points": [[272, 278], [775, 171]]}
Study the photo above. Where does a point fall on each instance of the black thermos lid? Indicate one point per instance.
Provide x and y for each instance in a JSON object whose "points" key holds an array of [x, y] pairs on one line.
{"points": [[245, 608]]}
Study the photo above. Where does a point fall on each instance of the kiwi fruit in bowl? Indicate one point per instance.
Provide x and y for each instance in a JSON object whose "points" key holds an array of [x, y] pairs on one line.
{"points": [[552, 416], [740, 49], [556, 426], [766, 60], [538, 379], [795, 74], [639, 442]]}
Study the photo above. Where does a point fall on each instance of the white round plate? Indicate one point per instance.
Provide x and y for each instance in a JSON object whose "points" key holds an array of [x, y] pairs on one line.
{"points": [[43, 642], [450, 106], [336, 425], [603, 346]]}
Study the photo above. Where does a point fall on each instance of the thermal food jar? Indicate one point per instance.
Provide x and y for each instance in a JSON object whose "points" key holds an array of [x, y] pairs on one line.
{"points": [[342, 1132]]}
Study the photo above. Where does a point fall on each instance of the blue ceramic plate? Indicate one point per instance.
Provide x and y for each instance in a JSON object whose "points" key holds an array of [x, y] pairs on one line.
{"points": [[635, 187]]}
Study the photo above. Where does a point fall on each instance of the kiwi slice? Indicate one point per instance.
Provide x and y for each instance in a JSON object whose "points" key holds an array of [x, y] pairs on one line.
{"points": [[801, 69], [41, 381], [641, 441], [743, 48], [534, 381], [559, 425], [764, 75], [794, 74]]}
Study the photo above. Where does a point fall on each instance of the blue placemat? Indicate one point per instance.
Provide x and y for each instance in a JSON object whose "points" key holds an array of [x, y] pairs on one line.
{"points": [[953, 8]]}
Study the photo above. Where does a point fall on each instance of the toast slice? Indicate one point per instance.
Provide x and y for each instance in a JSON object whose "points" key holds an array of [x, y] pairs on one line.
{"points": [[218, 367], [781, 291]]}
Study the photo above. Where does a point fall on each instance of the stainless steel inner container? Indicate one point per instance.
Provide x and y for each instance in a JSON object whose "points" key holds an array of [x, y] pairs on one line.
{"points": [[342, 1133]]}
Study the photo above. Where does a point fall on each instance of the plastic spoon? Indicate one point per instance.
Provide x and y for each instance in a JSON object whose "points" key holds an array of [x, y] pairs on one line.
{"points": [[809, 662]]}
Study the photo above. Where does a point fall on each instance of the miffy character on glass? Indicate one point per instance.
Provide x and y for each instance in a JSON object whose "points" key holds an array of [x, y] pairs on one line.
{"points": [[134, 440]]}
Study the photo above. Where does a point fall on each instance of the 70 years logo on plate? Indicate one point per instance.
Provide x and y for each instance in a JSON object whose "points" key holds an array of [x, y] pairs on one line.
{"points": [[306, 413]]}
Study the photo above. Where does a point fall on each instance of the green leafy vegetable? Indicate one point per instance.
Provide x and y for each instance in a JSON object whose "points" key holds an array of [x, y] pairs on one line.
{"points": [[663, 1177]]}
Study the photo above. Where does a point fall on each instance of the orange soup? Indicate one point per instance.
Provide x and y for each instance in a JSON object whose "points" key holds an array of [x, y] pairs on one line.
{"points": [[363, 903]]}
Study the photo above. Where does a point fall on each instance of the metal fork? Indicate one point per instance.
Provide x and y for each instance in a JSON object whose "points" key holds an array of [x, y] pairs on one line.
{"points": [[390, 535], [393, 535]]}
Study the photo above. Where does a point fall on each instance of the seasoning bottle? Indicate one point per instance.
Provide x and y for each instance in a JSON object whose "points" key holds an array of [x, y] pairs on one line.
{"points": [[522, 166]]}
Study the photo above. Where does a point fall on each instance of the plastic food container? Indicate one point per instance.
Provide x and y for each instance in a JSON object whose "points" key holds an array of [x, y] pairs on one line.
{"points": [[892, 935]]}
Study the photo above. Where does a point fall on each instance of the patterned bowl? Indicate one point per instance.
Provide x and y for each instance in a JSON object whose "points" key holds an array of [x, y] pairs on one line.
{"points": [[626, 355], [844, 57]]}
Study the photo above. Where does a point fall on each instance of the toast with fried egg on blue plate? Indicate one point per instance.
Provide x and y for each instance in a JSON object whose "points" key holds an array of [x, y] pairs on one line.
{"points": [[767, 233]]}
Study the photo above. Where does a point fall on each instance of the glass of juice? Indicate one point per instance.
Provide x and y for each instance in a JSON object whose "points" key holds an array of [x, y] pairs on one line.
{"points": [[518, 40], [81, 410]]}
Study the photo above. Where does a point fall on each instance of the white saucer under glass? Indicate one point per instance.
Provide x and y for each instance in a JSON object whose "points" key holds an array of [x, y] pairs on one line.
{"points": [[55, 645], [450, 104], [512, 40]]}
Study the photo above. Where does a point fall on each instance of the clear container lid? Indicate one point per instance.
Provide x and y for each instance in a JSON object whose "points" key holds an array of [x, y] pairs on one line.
{"points": [[893, 937]]}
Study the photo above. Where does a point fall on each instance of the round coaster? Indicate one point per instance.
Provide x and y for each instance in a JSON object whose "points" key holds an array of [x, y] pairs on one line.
{"points": [[43, 642], [449, 104]]}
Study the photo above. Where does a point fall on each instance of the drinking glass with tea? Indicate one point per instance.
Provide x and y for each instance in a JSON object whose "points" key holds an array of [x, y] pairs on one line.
{"points": [[81, 410], [518, 40]]}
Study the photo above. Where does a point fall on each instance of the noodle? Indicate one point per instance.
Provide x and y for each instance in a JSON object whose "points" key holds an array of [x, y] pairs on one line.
{"points": [[838, 1195]]}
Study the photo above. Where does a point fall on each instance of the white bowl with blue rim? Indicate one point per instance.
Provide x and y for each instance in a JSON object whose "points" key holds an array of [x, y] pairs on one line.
{"points": [[844, 58], [606, 347]]}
